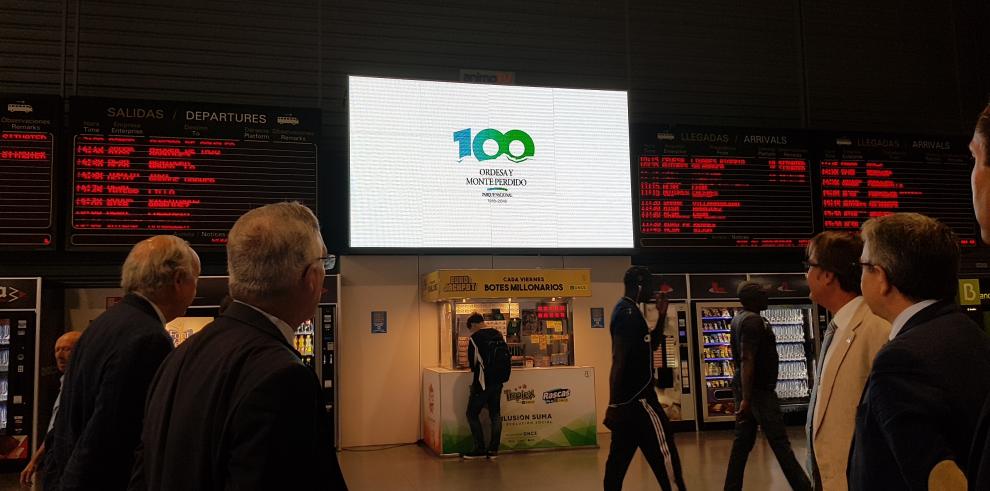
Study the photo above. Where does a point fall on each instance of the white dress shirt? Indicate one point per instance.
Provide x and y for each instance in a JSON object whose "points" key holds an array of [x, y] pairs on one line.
{"points": [[158, 311], [283, 327], [904, 317]]}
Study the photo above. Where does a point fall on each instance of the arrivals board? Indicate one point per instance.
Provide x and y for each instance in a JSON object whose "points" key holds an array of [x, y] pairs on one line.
{"points": [[143, 168], [28, 131], [870, 175], [723, 187]]}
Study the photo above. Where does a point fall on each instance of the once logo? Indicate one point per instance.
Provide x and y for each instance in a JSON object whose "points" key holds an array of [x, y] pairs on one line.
{"points": [[466, 146]]}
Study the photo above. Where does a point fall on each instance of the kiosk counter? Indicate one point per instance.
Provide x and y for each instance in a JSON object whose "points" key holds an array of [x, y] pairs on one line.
{"points": [[548, 403]]}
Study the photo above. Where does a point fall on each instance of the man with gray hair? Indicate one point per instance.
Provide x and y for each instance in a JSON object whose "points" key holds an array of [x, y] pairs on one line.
{"points": [[234, 407], [98, 425], [922, 399]]}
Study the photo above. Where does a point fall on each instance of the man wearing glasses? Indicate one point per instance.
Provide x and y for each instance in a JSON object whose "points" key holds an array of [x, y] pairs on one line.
{"points": [[851, 341], [234, 407], [919, 409]]}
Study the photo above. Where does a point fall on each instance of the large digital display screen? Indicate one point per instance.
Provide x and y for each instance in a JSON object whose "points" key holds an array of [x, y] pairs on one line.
{"points": [[871, 175], [723, 187], [143, 168], [28, 132], [438, 165]]}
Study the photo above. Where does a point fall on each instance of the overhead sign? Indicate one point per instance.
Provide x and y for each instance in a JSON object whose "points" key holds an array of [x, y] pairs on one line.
{"points": [[488, 77], [449, 284], [143, 168], [28, 130]]}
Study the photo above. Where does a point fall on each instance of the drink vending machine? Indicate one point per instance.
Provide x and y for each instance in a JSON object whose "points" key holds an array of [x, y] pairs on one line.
{"points": [[20, 315], [677, 394]]}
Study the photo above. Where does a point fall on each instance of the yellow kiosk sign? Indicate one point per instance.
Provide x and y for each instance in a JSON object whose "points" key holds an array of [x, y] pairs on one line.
{"points": [[450, 284]]}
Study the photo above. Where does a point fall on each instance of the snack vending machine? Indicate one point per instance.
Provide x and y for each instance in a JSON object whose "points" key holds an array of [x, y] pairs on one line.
{"points": [[20, 316], [793, 319]]}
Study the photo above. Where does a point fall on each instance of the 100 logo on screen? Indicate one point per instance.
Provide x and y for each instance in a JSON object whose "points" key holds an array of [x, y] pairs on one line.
{"points": [[466, 146]]}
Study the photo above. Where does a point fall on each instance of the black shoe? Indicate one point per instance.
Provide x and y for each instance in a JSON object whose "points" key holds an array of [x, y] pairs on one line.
{"points": [[474, 455], [493, 455]]}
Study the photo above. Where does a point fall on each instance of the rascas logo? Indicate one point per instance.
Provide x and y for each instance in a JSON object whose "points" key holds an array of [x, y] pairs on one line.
{"points": [[466, 146], [556, 395], [522, 395]]}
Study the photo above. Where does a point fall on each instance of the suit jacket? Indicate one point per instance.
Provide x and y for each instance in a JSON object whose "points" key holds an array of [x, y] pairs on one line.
{"points": [[921, 402], [234, 407], [978, 470], [98, 425], [853, 348]]}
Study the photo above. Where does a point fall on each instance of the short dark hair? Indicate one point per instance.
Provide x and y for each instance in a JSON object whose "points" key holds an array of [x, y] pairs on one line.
{"points": [[475, 318], [750, 292], [636, 276], [838, 253], [919, 254]]}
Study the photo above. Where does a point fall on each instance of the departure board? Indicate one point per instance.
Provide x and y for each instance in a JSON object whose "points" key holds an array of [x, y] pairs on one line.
{"points": [[28, 131], [865, 176], [722, 187], [143, 168]]}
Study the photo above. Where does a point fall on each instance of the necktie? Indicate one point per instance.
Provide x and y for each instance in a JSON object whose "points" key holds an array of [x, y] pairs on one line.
{"points": [[826, 341]]}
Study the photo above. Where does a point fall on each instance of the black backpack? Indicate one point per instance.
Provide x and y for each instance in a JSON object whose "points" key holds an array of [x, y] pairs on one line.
{"points": [[496, 361]]}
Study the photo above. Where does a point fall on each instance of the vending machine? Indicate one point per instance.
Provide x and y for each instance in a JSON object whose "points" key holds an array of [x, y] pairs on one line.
{"points": [[320, 336], [794, 321], [20, 316], [676, 393]]}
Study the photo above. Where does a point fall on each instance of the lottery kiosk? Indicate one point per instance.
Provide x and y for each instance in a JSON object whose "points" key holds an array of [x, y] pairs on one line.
{"points": [[548, 402]]}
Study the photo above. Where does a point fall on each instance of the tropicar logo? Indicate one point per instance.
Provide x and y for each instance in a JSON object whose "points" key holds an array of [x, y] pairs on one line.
{"points": [[522, 395], [466, 146], [556, 395]]}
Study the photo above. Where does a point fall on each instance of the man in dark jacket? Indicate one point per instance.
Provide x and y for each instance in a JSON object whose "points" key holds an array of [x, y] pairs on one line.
{"points": [[98, 425], [234, 407], [919, 410], [484, 393], [754, 354], [634, 413]]}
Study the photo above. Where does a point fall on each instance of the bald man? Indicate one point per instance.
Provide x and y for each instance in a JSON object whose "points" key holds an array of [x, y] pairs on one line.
{"points": [[98, 427], [63, 351]]}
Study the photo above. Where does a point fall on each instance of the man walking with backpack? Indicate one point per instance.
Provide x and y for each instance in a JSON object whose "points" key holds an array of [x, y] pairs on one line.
{"points": [[489, 358]]}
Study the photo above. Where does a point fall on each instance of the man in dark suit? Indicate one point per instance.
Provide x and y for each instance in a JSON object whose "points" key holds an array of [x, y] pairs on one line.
{"points": [[98, 425], [234, 407], [920, 406]]}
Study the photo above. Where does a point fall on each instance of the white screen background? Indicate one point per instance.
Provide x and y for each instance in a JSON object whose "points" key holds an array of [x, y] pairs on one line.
{"points": [[408, 190]]}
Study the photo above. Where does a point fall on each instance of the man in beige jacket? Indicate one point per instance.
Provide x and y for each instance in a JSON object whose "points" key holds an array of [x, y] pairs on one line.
{"points": [[850, 343]]}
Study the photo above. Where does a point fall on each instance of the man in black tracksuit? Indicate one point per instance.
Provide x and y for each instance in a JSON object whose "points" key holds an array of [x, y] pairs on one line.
{"points": [[634, 414], [483, 394]]}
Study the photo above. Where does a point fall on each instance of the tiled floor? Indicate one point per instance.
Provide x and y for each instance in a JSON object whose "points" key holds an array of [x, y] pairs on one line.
{"points": [[704, 456]]}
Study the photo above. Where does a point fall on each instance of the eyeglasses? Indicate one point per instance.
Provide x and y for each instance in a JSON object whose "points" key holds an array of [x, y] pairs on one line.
{"points": [[329, 261]]}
